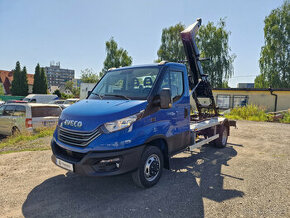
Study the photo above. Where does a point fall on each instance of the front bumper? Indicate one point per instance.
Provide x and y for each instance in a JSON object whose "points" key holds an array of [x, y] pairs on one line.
{"points": [[99, 163]]}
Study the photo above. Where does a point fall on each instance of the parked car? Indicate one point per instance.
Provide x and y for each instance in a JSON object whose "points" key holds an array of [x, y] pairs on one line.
{"points": [[15, 101], [69, 102], [40, 98], [17, 117], [58, 101]]}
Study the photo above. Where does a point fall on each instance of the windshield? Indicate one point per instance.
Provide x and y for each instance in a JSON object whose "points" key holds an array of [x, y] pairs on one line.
{"points": [[134, 83]]}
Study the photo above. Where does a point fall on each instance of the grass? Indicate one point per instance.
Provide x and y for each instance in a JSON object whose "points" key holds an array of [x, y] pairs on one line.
{"points": [[255, 113], [39, 140]]}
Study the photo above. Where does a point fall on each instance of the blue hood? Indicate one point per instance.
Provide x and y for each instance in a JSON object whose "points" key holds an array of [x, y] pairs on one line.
{"points": [[93, 113]]}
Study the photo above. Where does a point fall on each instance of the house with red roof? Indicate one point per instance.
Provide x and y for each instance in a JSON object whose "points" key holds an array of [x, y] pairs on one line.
{"points": [[6, 78]]}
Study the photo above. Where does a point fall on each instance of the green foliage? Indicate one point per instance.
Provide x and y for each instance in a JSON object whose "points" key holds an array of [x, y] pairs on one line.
{"points": [[66, 96], [171, 48], [2, 92], [286, 118], [24, 85], [225, 84], [69, 85], [249, 112], [19, 84], [40, 83], [275, 59], [26, 141], [88, 76], [213, 42], [260, 82], [57, 92], [116, 57], [43, 81], [36, 84]]}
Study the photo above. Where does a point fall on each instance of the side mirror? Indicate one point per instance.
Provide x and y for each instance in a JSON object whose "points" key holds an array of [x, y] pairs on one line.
{"points": [[165, 98]]}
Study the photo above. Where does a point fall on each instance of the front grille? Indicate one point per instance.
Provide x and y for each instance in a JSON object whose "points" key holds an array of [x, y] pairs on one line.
{"points": [[77, 138], [67, 154]]}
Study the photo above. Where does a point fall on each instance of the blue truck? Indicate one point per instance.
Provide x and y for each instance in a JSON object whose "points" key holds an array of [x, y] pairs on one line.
{"points": [[136, 118]]}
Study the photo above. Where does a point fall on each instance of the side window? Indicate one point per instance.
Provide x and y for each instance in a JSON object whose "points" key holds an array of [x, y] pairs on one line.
{"points": [[174, 81], [8, 111], [19, 111]]}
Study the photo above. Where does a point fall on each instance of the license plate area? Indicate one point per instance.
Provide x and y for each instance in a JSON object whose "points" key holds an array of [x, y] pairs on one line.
{"points": [[64, 164]]}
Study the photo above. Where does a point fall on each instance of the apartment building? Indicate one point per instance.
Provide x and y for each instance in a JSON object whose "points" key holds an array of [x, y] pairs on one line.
{"points": [[57, 76]]}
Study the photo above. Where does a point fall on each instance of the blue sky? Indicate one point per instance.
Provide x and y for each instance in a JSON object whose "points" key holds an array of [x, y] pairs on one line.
{"points": [[74, 31]]}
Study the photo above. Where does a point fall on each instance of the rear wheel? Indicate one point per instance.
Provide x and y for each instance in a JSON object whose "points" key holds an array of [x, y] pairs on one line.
{"points": [[150, 168], [222, 140]]}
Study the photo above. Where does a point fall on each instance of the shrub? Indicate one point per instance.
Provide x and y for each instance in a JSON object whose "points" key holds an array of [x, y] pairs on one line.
{"points": [[249, 112]]}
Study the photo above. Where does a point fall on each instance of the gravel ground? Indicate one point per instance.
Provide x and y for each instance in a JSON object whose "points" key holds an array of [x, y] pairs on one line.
{"points": [[248, 178]]}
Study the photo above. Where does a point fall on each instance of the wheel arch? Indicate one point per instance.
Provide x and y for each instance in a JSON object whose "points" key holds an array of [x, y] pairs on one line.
{"points": [[160, 141]]}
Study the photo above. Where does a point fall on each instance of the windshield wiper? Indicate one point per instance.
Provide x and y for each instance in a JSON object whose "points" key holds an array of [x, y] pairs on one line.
{"points": [[100, 96], [120, 96]]}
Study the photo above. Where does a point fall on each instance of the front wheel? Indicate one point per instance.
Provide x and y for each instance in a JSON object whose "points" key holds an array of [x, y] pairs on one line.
{"points": [[150, 168]]}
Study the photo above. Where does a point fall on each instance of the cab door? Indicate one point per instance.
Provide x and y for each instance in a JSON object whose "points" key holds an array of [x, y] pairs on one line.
{"points": [[178, 114]]}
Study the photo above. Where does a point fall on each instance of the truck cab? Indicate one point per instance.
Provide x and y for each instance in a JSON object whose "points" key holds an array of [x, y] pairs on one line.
{"points": [[134, 120]]}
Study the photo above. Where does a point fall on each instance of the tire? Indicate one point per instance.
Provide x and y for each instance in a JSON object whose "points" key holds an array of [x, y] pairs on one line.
{"points": [[222, 140], [150, 168], [15, 131]]}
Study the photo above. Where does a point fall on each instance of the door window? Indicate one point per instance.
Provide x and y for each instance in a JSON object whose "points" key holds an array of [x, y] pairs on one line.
{"points": [[8, 111], [174, 81], [19, 111]]}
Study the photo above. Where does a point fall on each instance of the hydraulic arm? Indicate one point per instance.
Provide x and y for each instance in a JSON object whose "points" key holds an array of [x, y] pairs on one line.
{"points": [[198, 81]]}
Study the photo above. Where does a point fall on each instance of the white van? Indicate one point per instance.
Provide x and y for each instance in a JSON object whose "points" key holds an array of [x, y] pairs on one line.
{"points": [[40, 98], [20, 117]]}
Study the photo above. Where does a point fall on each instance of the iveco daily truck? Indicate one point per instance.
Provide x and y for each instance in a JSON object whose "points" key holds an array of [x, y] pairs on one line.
{"points": [[136, 118]]}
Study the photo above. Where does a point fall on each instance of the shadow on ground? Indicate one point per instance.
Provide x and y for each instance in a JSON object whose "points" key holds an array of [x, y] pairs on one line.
{"points": [[177, 194]]}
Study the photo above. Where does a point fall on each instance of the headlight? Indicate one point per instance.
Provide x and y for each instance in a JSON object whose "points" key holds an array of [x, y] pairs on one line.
{"points": [[122, 123]]}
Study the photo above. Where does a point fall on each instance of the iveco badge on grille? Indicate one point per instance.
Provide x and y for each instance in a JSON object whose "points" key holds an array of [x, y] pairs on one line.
{"points": [[73, 123]]}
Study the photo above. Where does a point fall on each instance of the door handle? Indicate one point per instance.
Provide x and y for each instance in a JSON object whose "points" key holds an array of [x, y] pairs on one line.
{"points": [[185, 112]]}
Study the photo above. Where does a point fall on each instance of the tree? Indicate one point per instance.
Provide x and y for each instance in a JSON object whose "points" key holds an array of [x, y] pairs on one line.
{"points": [[57, 92], [40, 82], [36, 84], [275, 54], [24, 85], [212, 41], [16, 83], [171, 48], [69, 85], [88, 76], [43, 82], [116, 57], [19, 84]]}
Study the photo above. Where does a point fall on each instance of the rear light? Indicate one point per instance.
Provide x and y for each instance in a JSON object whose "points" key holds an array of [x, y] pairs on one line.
{"points": [[28, 123]]}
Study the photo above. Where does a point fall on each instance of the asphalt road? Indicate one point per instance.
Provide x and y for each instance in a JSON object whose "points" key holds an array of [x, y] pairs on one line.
{"points": [[248, 178]]}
